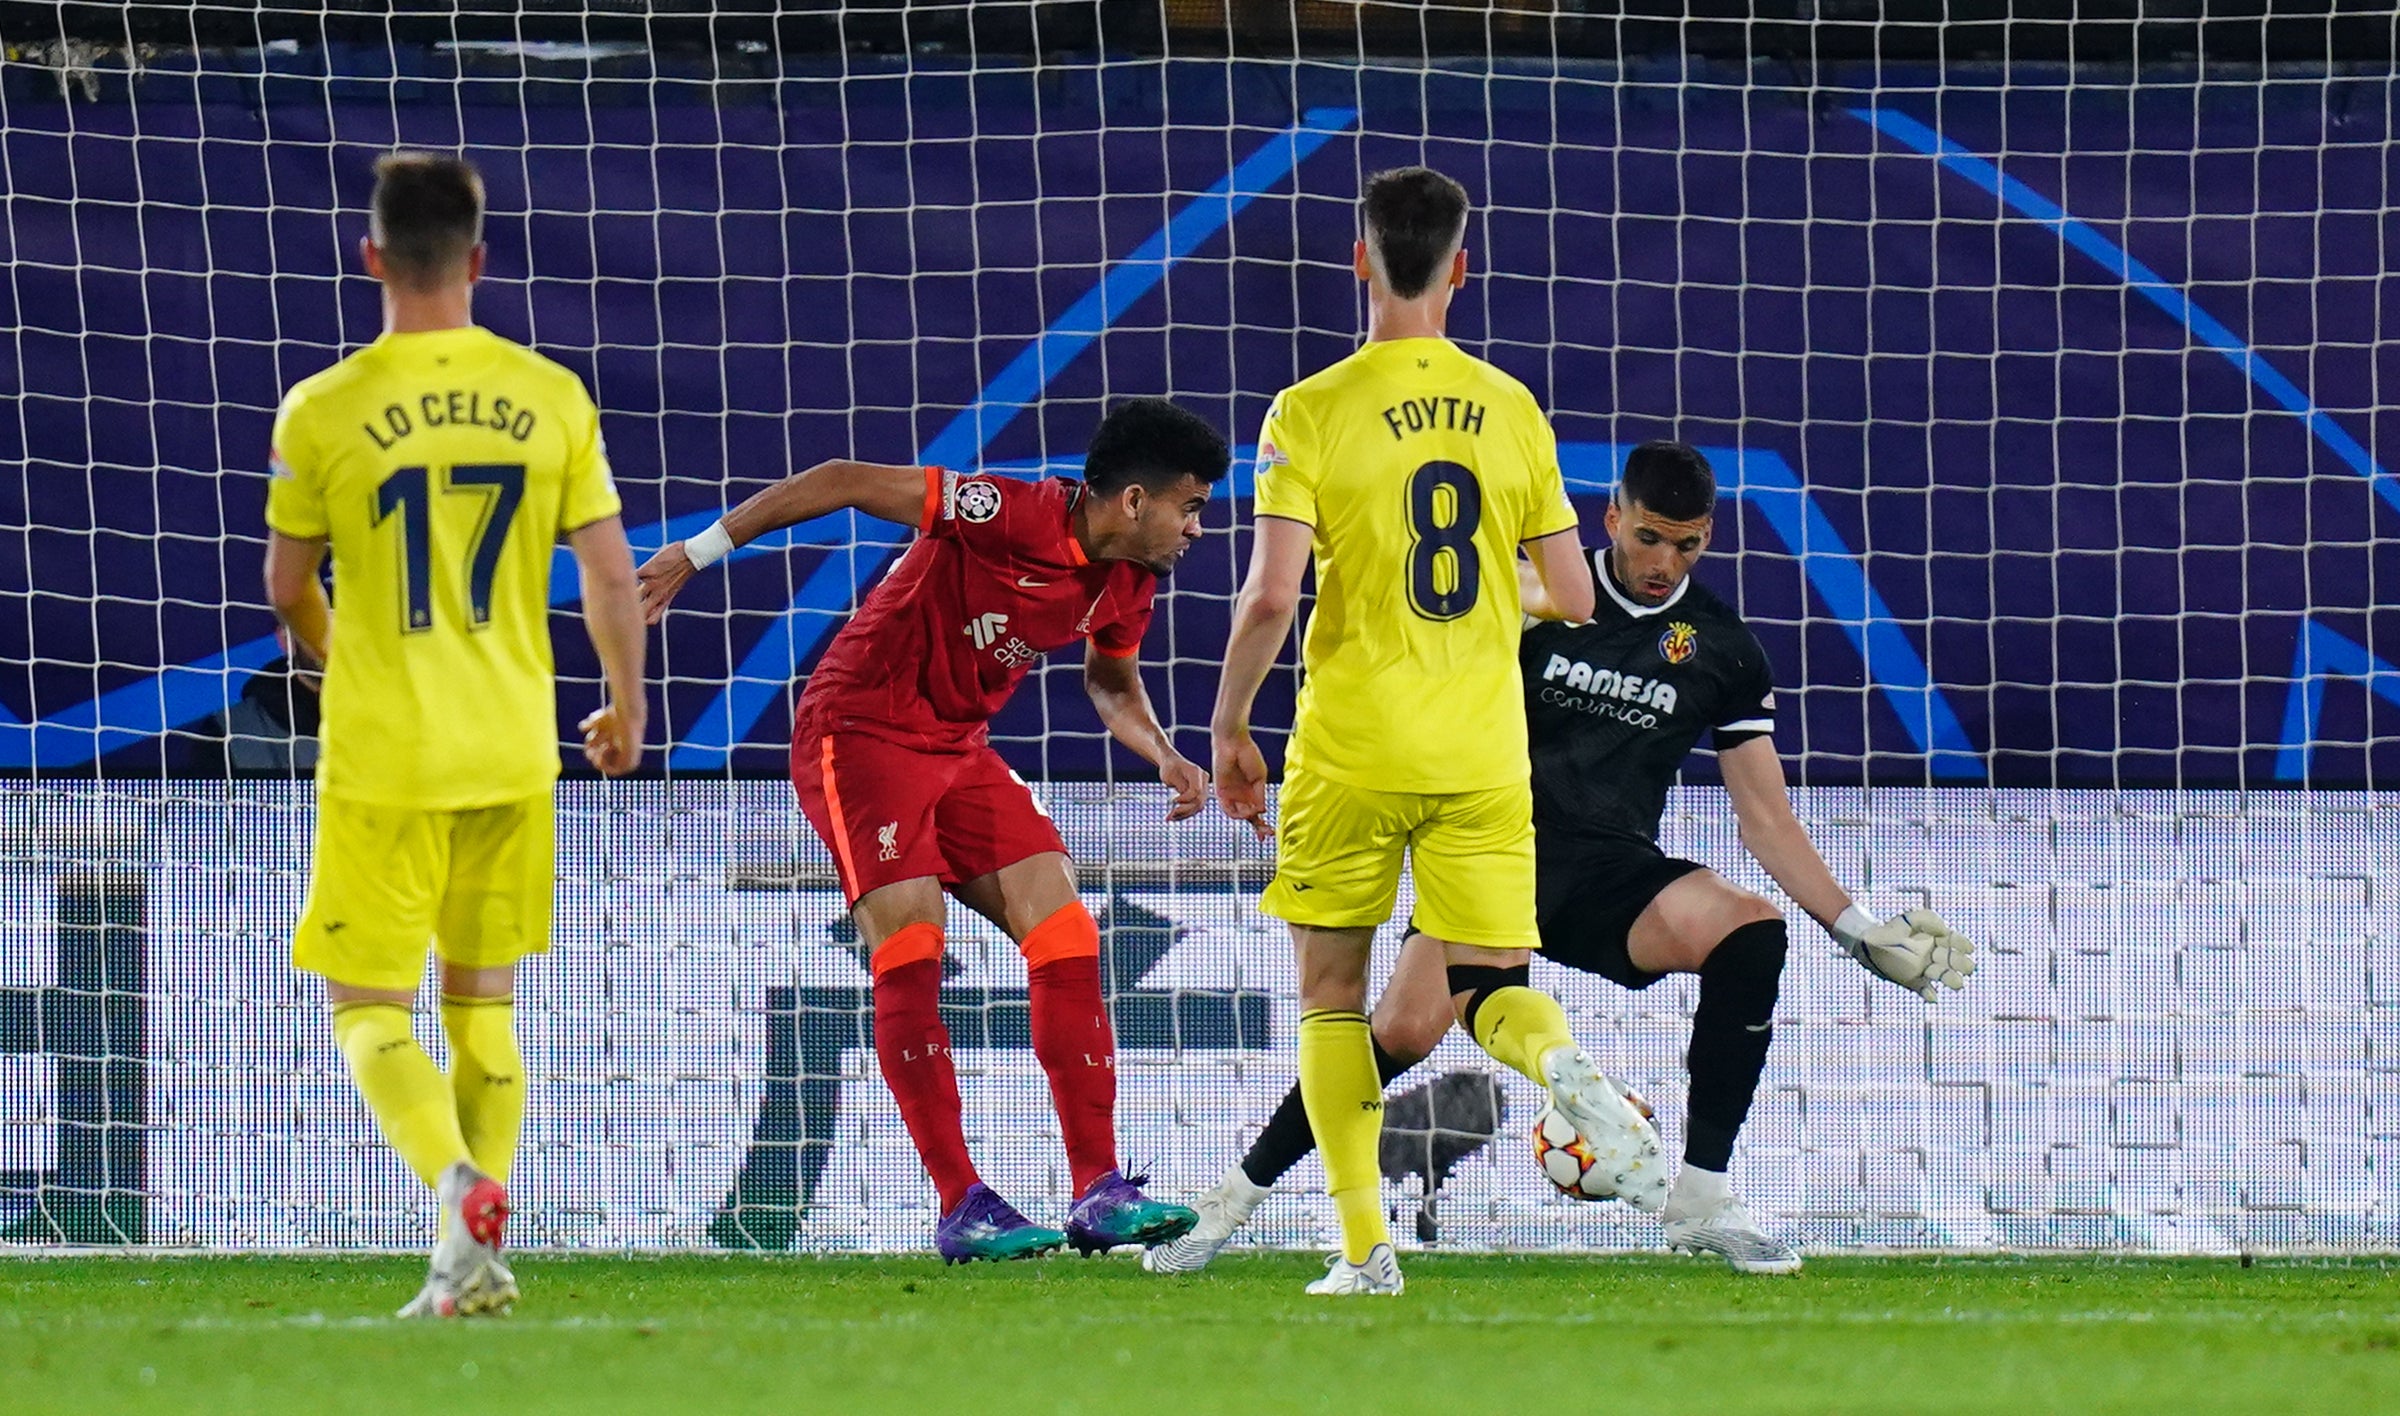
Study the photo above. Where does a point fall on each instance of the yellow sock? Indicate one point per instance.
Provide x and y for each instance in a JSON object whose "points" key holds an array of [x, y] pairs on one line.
{"points": [[1344, 1101], [403, 1088], [1518, 1026], [487, 1078]]}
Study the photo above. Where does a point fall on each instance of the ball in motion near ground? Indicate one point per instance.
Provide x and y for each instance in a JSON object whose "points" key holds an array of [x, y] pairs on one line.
{"points": [[1565, 1158]]}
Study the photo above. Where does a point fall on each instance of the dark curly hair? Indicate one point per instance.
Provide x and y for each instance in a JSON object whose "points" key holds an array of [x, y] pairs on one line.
{"points": [[1153, 442]]}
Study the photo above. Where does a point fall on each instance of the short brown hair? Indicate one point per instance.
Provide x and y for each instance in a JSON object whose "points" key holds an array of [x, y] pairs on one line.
{"points": [[1415, 218], [428, 215]]}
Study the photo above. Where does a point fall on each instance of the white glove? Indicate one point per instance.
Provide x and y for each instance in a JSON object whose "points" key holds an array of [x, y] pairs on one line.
{"points": [[1914, 949]]}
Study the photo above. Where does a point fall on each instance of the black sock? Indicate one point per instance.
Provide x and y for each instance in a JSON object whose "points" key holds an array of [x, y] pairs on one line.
{"points": [[1287, 1138], [1730, 1032]]}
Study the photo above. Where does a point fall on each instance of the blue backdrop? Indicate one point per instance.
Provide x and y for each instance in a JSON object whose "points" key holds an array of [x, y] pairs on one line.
{"points": [[2052, 410]]}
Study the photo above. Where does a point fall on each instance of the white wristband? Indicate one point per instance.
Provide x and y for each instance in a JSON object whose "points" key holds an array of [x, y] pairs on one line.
{"points": [[709, 547], [1854, 926]]}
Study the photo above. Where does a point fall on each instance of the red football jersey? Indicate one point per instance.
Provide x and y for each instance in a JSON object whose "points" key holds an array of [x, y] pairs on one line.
{"points": [[994, 580]]}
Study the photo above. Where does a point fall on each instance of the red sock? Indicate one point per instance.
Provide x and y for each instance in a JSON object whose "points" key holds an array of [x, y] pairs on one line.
{"points": [[1072, 1039], [914, 1050]]}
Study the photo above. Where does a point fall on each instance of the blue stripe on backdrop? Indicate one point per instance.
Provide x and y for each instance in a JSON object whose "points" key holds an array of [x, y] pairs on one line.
{"points": [[768, 668], [2119, 262], [1839, 576], [2323, 654], [1761, 477], [124, 716], [2318, 653], [187, 693]]}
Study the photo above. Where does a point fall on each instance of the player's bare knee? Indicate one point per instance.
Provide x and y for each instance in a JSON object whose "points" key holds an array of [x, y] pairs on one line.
{"points": [[341, 995], [470, 981], [1410, 1028], [1741, 911]]}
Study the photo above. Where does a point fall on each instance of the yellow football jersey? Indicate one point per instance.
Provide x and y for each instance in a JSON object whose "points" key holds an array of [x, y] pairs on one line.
{"points": [[443, 467], [1421, 468]]}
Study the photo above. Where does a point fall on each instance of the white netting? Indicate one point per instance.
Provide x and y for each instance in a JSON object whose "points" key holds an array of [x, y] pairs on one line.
{"points": [[2046, 400]]}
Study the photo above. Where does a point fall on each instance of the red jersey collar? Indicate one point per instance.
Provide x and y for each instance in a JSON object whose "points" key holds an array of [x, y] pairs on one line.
{"points": [[1075, 491]]}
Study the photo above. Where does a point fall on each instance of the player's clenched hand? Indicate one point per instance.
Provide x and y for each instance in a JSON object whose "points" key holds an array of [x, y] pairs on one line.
{"points": [[612, 740], [1915, 949], [1241, 771], [1188, 782], [661, 576]]}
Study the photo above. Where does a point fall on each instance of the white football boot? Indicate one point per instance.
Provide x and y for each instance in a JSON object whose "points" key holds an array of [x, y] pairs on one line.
{"points": [[1225, 1207], [1378, 1277], [1624, 1144], [1726, 1229], [466, 1276]]}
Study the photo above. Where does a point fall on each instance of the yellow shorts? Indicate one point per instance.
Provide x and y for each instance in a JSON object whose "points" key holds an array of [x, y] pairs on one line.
{"points": [[1338, 850], [387, 882]]}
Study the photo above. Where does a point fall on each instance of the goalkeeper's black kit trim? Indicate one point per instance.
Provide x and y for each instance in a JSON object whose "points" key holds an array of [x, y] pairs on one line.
{"points": [[1614, 706]]}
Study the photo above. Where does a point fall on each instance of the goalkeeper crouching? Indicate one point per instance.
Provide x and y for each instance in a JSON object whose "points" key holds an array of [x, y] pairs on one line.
{"points": [[1613, 707]]}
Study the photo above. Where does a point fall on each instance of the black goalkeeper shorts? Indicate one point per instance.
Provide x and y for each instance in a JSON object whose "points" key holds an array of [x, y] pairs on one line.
{"points": [[1590, 897]]}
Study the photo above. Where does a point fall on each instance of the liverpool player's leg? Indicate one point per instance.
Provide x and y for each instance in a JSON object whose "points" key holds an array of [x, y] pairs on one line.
{"points": [[872, 803], [1017, 874]]}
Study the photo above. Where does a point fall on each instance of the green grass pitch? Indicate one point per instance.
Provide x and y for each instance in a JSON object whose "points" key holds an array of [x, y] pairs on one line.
{"points": [[1547, 1336]]}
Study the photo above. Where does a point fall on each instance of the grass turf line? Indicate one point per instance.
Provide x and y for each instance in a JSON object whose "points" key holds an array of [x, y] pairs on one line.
{"points": [[1536, 1334]]}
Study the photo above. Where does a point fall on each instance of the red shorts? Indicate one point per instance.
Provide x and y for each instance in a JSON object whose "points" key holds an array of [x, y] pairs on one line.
{"points": [[890, 813]]}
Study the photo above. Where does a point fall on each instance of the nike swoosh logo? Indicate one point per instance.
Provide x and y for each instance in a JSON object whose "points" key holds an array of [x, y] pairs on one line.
{"points": [[1026, 582], [1297, 888], [1759, 1027]]}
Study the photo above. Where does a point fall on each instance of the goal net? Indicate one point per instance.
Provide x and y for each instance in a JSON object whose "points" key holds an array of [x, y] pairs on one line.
{"points": [[2051, 401]]}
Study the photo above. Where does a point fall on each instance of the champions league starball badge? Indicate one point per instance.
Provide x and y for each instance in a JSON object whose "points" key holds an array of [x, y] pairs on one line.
{"points": [[977, 501]]}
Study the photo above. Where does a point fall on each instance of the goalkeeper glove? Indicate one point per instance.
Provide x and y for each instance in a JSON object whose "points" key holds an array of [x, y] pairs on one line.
{"points": [[1914, 949]]}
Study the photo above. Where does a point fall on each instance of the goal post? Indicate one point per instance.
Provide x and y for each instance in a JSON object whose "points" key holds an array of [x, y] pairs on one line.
{"points": [[2048, 401]]}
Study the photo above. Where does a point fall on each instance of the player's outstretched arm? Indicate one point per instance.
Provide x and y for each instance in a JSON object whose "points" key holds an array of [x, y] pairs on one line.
{"points": [[1914, 949], [1262, 621], [1556, 580], [612, 615], [892, 493], [298, 595], [1115, 683]]}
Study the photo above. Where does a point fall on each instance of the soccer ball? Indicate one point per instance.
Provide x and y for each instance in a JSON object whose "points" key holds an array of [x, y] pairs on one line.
{"points": [[1566, 1160], [1560, 1153]]}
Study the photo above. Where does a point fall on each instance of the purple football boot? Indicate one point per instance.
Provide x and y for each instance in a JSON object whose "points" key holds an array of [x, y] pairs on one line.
{"points": [[1114, 1211], [984, 1226]]}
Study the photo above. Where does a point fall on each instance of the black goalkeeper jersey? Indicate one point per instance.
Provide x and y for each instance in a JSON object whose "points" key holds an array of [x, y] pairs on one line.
{"points": [[1616, 704]]}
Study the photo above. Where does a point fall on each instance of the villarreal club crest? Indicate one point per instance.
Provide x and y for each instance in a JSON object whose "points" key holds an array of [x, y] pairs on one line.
{"points": [[1679, 643]]}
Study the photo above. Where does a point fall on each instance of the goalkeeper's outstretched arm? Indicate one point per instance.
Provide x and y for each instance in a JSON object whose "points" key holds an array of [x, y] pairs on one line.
{"points": [[1914, 949], [878, 489]]}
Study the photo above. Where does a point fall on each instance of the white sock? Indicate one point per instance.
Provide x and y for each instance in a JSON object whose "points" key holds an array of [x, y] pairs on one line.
{"points": [[1698, 1191], [1242, 1190]]}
